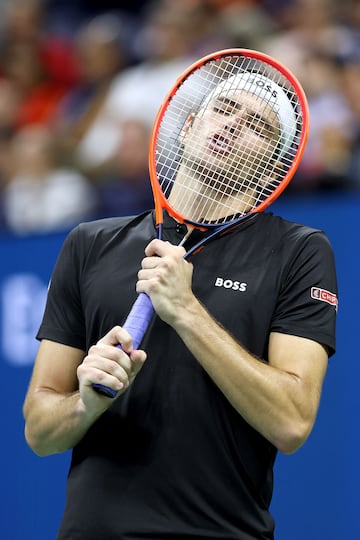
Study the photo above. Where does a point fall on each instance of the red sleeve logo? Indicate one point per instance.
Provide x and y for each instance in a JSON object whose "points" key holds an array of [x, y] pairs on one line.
{"points": [[324, 296]]}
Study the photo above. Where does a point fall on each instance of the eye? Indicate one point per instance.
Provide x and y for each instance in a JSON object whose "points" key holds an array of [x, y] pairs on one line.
{"points": [[225, 110], [226, 107], [259, 126]]}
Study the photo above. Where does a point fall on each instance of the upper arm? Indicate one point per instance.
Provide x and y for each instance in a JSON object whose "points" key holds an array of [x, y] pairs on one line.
{"points": [[303, 358], [55, 369]]}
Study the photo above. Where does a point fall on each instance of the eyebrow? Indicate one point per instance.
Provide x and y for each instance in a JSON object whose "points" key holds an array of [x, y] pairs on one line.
{"points": [[228, 102], [236, 105]]}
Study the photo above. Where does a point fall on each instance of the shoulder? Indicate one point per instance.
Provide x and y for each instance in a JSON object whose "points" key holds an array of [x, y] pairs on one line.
{"points": [[101, 227], [107, 228], [291, 233], [303, 252], [96, 237], [293, 245]]}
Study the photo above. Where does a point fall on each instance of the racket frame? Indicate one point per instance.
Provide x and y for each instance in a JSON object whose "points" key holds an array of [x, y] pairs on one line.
{"points": [[161, 202]]}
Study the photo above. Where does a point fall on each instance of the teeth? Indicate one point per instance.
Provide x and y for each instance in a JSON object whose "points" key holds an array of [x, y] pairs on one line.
{"points": [[224, 144], [219, 143]]}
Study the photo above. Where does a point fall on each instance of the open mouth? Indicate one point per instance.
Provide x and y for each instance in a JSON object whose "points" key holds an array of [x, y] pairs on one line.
{"points": [[220, 143]]}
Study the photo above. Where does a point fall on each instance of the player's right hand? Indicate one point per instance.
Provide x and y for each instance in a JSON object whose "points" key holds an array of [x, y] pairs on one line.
{"points": [[110, 365]]}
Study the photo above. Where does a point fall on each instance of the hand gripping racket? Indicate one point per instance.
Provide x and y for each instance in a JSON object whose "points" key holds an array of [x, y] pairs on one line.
{"points": [[226, 142]]}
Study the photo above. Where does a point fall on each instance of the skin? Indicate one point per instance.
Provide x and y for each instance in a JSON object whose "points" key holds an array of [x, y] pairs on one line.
{"points": [[279, 399], [247, 130]]}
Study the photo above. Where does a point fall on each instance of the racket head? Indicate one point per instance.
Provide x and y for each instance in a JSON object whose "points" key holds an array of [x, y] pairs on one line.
{"points": [[227, 139]]}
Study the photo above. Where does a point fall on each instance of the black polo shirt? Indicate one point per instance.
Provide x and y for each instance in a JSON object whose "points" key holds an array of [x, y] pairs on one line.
{"points": [[171, 458]]}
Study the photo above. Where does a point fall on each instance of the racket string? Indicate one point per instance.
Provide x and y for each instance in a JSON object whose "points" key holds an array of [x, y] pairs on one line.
{"points": [[197, 177]]}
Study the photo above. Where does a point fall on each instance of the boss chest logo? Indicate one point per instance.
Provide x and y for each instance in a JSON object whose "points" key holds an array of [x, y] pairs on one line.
{"points": [[230, 284]]}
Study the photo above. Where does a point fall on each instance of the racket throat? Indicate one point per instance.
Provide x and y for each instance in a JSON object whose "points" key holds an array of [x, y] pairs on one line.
{"points": [[187, 235], [159, 233]]}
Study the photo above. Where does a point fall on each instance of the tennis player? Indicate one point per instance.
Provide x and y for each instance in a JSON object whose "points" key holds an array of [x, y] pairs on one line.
{"points": [[230, 372]]}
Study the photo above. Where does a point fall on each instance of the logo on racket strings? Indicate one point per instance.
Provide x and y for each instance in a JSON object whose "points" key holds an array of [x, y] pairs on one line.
{"points": [[263, 86]]}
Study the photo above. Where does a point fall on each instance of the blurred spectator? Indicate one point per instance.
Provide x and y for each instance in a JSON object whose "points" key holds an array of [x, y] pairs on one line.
{"points": [[311, 44], [40, 196], [309, 27], [9, 103], [244, 23], [101, 56], [65, 16], [126, 187], [165, 47], [40, 66], [326, 161], [350, 84]]}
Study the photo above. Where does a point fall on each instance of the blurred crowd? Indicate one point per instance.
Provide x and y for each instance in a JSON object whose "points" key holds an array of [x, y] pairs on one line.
{"points": [[81, 82]]}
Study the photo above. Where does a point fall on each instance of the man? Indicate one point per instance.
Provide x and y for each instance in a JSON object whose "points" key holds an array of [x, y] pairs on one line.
{"points": [[235, 358]]}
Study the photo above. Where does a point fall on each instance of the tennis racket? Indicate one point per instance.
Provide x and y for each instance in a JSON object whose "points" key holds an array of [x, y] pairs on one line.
{"points": [[226, 142]]}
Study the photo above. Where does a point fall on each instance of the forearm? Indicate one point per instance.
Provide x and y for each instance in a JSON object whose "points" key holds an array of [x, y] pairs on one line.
{"points": [[270, 399], [55, 422], [61, 405]]}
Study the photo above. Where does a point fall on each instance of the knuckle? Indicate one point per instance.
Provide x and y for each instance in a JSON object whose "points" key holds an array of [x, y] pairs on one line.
{"points": [[80, 369], [116, 329], [93, 348]]}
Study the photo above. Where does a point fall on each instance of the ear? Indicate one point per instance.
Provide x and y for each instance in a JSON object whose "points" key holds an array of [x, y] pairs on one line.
{"points": [[186, 127]]}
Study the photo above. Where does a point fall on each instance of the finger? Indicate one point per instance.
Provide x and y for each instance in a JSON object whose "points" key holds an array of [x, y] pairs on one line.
{"points": [[109, 373], [101, 351], [138, 358], [117, 336], [116, 379], [119, 369], [154, 247], [160, 248], [148, 263]]}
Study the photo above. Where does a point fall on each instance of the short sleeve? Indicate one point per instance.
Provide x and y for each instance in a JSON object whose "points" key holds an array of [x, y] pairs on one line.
{"points": [[63, 319], [308, 301]]}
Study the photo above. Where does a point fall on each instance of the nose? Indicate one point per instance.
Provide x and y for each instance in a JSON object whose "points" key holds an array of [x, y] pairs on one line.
{"points": [[234, 124]]}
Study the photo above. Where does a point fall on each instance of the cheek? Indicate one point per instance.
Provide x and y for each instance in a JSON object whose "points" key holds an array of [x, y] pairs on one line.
{"points": [[259, 148], [252, 156], [247, 147], [196, 134]]}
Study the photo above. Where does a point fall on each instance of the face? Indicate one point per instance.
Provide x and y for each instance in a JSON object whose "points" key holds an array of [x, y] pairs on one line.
{"points": [[229, 156], [234, 137]]}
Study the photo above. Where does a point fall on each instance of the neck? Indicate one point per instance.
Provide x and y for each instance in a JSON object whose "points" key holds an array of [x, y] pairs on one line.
{"points": [[203, 199]]}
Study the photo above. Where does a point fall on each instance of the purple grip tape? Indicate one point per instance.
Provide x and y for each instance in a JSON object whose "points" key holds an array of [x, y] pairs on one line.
{"points": [[139, 319], [136, 324]]}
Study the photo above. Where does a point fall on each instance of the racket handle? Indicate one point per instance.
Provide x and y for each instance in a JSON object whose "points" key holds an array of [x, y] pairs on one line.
{"points": [[136, 324], [139, 318]]}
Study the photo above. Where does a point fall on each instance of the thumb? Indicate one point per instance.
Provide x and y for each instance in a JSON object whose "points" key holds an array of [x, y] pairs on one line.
{"points": [[137, 358]]}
